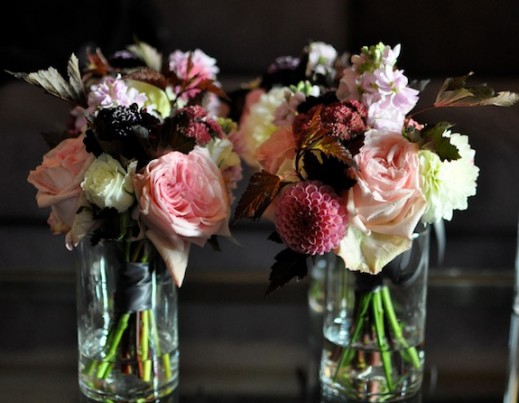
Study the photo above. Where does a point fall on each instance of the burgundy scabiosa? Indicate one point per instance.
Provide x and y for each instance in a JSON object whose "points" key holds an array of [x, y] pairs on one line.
{"points": [[310, 217]]}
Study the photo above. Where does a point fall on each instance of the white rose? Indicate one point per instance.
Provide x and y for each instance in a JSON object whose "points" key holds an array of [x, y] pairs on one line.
{"points": [[107, 184]]}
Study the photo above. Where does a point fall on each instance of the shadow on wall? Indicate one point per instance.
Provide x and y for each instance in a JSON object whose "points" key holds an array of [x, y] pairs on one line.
{"points": [[244, 36], [442, 37]]}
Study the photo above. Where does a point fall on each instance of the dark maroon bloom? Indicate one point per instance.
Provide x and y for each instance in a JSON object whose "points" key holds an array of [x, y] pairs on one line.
{"points": [[344, 120], [193, 122]]}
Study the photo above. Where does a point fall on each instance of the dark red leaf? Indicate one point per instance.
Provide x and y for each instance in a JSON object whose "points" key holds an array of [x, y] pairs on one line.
{"points": [[289, 265], [261, 190]]}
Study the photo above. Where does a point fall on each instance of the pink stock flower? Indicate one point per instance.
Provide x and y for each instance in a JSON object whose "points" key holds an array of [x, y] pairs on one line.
{"points": [[182, 200], [310, 218], [108, 93], [58, 180]]}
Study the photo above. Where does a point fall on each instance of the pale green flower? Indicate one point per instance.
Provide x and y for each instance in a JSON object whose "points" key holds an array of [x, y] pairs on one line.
{"points": [[448, 184], [157, 99]]}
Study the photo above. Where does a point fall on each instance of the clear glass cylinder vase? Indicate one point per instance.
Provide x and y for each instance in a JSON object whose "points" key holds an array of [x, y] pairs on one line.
{"points": [[373, 328], [126, 323]]}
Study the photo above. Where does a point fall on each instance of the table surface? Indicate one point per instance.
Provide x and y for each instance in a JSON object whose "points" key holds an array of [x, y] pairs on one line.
{"points": [[237, 345]]}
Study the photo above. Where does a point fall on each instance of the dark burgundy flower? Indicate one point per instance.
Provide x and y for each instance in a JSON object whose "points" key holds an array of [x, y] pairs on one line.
{"points": [[344, 120], [193, 122]]}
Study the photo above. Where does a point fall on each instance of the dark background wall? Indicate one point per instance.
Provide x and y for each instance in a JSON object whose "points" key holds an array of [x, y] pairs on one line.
{"points": [[438, 38]]}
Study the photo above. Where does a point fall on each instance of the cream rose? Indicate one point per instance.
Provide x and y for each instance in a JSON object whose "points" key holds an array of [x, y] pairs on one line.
{"points": [[182, 200], [385, 204], [107, 184], [58, 180]]}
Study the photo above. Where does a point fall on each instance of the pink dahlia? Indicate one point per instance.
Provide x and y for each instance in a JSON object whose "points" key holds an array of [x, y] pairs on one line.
{"points": [[310, 218]]}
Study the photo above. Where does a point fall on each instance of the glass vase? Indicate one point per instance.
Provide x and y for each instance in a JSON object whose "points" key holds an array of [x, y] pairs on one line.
{"points": [[374, 327], [126, 324]]}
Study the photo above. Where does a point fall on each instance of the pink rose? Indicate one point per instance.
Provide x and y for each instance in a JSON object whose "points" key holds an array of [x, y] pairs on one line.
{"points": [[387, 198], [277, 153], [58, 180], [385, 204], [182, 200]]}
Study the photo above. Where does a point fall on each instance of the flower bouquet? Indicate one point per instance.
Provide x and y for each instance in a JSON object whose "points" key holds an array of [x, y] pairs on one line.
{"points": [[344, 169], [145, 169]]}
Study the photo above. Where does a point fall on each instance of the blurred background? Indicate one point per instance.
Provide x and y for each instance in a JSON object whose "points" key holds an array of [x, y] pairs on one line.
{"points": [[439, 39]]}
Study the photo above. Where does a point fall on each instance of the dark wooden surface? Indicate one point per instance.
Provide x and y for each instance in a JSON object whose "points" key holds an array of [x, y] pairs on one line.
{"points": [[237, 345]]}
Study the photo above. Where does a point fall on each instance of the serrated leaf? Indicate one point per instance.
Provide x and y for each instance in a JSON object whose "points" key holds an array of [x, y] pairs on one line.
{"points": [[289, 265], [332, 147], [98, 65], [52, 82], [316, 138], [433, 138], [148, 54], [456, 92], [261, 190], [149, 76], [210, 86]]}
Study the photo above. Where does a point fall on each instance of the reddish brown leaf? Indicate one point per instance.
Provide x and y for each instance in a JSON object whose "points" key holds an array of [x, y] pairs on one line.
{"points": [[210, 86], [149, 76], [98, 65], [261, 190], [456, 92], [289, 265]]}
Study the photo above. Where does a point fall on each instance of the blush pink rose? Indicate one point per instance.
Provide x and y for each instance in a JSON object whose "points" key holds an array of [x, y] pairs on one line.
{"points": [[385, 204], [182, 200], [387, 198], [58, 180]]}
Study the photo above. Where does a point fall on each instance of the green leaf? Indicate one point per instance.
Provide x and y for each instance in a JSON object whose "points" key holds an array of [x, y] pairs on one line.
{"points": [[261, 190], [433, 138], [289, 265], [52, 82], [456, 92]]}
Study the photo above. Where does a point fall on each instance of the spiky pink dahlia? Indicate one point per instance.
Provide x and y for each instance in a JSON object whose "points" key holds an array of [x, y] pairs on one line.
{"points": [[310, 218]]}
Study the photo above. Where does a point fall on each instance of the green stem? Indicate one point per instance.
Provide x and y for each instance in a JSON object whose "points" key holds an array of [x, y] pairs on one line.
{"points": [[397, 329], [105, 366], [348, 353], [378, 313], [165, 357], [144, 346]]}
